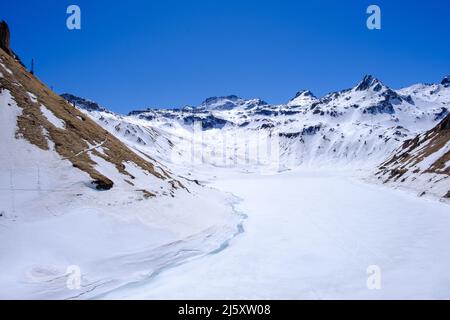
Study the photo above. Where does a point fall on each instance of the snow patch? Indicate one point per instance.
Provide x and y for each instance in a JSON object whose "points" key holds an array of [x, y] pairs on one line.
{"points": [[52, 118], [6, 68], [32, 97]]}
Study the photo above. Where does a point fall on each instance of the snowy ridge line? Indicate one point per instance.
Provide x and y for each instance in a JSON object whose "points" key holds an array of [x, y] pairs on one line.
{"points": [[359, 126]]}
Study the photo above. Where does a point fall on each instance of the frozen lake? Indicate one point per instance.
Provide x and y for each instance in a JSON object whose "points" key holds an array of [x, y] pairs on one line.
{"points": [[312, 235]]}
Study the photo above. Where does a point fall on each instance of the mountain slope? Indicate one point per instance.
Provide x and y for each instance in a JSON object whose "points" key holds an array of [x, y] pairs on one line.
{"points": [[230, 102], [45, 119], [72, 194], [359, 127], [422, 163]]}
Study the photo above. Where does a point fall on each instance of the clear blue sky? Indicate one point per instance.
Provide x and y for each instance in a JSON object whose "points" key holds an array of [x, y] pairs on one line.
{"points": [[133, 54]]}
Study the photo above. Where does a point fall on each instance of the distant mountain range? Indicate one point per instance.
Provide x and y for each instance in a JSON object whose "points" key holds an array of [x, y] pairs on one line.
{"points": [[358, 127]]}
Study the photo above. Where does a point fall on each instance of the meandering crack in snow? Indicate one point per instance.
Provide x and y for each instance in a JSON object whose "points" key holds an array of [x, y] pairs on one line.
{"points": [[130, 269], [176, 256]]}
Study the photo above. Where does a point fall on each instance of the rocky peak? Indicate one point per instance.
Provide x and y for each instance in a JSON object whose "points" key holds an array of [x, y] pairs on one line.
{"points": [[213, 100], [304, 93], [303, 97], [444, 124], [369, 82], [446, 81], [83, 103]]}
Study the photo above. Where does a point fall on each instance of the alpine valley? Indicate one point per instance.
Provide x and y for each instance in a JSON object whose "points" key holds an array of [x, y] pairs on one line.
{"points": [[234, 198]]}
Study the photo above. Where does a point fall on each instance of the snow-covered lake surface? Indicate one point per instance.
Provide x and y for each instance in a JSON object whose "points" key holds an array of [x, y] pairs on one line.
{"points": [[312, 235]]}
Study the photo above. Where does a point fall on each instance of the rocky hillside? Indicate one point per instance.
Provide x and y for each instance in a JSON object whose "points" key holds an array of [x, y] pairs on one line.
{"points": [[422, 163], [358, 127], [50, 123], [73, 194], [83, 103]]}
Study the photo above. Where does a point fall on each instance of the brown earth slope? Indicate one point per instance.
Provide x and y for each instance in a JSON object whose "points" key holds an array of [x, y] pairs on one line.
{"points": [[79, 134]]}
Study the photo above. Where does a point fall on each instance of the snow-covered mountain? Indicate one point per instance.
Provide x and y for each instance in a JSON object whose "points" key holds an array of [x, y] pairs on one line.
{"points": [[303, 218], [230, 102], [302, 98], [126, 197], [72, 193], [360, 126]]}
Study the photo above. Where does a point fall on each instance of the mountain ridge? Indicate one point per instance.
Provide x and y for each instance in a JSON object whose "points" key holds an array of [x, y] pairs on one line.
{"points": [[359, 126]]}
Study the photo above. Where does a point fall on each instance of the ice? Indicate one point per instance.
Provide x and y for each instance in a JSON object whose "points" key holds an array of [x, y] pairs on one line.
{"points": [[312, 235]]}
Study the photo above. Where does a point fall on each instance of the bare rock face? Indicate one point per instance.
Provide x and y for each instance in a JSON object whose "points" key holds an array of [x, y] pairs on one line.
{"points": [[445, 124], [4, 38], [4, 42]]}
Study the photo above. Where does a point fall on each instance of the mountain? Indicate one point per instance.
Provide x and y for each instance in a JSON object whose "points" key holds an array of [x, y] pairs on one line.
{"points": [[49, 123], [230, 102], [421, 163], [359, 126], [74, 195], [87, 105]]}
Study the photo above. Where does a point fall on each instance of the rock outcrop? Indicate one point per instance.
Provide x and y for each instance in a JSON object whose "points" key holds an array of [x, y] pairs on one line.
{"points": [[5, 41], [4, 38]]}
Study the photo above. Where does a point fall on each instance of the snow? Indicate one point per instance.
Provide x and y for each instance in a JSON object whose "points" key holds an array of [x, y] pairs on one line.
{"points": [[303, 98], [312, 235], [301, 223], [113, 243], [52, 118], [347, 134], [6, 68], [52, 219]]}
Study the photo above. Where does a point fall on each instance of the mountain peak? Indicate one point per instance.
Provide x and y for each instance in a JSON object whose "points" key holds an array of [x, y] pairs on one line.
{"points": [[4, 38], [230, 102], [303, 97], [369, 82], [212, 100], [304, 93], [446, 81], [83, 103]]}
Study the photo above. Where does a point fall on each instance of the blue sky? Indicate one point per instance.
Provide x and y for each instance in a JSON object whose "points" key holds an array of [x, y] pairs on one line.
{"points": [[134, 54]]}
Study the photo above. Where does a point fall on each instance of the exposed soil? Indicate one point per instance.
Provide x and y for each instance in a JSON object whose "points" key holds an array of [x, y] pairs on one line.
{"points": [[79, 134]]}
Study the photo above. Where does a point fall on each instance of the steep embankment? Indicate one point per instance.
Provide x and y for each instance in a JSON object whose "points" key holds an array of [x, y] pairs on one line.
{"points": [[47, 119], [353, 128]]}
